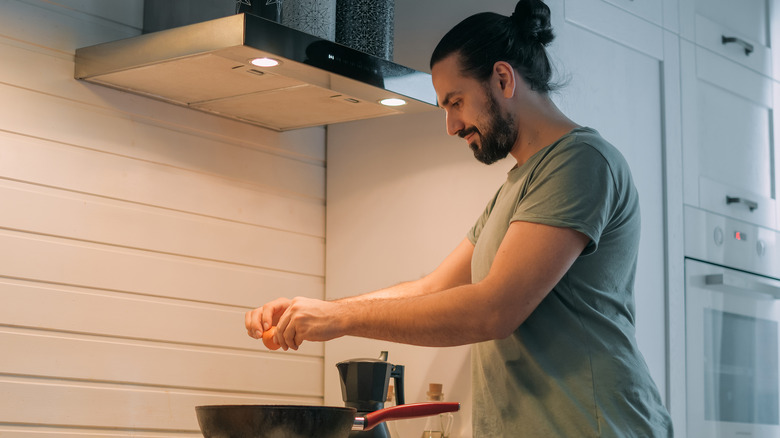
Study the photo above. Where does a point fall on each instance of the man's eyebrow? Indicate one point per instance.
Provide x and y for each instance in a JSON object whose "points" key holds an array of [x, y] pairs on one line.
{"points": [[447, 98]]}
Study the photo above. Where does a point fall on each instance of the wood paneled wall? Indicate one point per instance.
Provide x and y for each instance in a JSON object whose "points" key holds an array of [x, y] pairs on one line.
{"points": [[133, 237]]}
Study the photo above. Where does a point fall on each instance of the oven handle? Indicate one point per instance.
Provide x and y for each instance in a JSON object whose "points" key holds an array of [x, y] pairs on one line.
{"points": [[732, 283]]}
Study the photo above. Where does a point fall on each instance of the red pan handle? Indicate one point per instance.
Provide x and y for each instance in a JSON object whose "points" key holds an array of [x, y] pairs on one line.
{"points": [[401, 412]]}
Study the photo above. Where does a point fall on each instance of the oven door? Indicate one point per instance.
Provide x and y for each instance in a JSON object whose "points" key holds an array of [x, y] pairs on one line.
{"points": [[732, 346]]}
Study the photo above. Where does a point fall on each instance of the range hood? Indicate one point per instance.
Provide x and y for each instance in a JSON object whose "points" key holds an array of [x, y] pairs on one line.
{"points": [[208, 66]]}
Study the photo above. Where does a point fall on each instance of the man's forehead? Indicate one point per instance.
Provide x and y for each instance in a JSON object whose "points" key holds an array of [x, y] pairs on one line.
{"points": [[448, 80], [451, 85]]}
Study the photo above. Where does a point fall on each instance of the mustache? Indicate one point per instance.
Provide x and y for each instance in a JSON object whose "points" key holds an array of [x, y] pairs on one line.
{"points": [[464, 132]]}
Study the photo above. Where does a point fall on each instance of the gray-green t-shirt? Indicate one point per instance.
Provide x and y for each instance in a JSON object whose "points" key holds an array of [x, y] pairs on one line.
{"points": [[572, 369]]}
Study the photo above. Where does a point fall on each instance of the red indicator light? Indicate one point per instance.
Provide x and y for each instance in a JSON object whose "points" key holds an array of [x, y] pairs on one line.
{"points": [[740, 236]]}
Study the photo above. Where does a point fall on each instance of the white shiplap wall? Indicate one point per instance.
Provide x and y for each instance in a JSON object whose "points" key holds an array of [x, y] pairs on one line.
{"points": [[133, 236]]}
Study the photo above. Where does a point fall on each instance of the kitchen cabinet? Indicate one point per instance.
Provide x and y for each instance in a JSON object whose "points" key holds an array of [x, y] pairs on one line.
{"points": [[650, 10], [728, 99]]}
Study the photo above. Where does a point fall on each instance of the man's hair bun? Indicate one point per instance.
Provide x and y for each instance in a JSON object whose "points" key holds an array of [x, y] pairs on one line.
{"points": [[532, 18]]}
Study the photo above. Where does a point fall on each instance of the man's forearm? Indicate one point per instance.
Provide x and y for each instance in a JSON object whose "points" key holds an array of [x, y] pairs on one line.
{"points": [[407, 289], [439, 319], [454, 271]]}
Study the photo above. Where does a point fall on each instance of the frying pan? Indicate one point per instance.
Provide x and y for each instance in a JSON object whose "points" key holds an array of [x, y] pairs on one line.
{"points": [[288, 421]]}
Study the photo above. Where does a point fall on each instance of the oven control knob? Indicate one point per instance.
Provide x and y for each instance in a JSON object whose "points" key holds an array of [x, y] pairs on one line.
{"points": [[718, 236], [761, 248]]}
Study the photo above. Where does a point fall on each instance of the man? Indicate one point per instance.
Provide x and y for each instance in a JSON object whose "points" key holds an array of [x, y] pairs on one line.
{"points": [[543, 283]]}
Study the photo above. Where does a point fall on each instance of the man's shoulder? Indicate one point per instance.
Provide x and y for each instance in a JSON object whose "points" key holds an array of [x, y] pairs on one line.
{"points": [[587, 140], [587, 145]]}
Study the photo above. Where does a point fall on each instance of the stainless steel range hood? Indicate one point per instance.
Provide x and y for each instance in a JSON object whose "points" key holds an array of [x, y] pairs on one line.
{"points": [[207, 66]]}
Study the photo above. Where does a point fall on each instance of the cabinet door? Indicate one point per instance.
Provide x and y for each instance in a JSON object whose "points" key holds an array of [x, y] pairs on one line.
{"points": [[606, 19], [728, 145], [650, 10], [740, 30], [748, 17]]}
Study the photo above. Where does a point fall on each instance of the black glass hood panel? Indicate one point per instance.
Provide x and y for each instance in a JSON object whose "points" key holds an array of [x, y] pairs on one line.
{"points": [[298, 46]]}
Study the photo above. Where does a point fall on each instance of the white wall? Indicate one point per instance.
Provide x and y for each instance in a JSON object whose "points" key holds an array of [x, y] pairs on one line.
{"points": [[133, 236]]}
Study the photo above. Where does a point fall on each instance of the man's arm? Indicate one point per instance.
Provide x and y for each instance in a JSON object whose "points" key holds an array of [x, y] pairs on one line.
{"points": [[455, 270], [532, 258]]}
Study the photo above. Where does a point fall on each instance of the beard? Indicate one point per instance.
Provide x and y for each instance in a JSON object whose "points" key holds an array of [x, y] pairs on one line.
{"points": [[497, 139]]}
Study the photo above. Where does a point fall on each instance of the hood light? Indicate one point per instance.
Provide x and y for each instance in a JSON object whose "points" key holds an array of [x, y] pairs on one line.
{"points": [[392, 102], [265, 62]]}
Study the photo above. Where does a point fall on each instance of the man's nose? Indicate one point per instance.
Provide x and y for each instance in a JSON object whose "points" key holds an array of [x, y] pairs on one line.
{"points": [[454, 124]]}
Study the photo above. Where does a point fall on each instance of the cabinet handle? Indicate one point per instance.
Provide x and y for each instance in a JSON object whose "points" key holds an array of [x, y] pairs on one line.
{"points": [[745, 45], [752, 205]]}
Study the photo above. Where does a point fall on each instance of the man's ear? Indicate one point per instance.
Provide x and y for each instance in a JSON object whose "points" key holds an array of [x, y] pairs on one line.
{"points": [[504, 77]]}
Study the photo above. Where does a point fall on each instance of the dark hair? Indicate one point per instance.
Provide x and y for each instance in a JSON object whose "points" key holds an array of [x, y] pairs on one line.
{"points": [[520, 39]]}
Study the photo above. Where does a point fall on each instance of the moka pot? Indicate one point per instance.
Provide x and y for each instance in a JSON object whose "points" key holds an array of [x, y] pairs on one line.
{"points": [[364, 385]]}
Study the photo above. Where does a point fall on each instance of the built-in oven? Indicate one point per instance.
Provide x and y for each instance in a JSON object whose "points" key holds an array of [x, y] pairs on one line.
{"points": [[732, 308]]}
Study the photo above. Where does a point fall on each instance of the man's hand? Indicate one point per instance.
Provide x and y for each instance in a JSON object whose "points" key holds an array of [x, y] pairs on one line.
{"points": [[308, 319], [263, 318], [297, 320]]}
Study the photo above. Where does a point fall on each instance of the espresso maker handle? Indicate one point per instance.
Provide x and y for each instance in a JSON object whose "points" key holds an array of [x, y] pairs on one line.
{"points": [[398, 377]]}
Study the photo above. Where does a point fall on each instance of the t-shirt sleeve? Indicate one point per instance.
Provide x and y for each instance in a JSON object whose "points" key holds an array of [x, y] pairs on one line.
{"points": [[573, 188]]}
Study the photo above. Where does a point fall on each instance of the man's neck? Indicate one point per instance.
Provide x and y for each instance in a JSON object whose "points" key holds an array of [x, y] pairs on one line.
{"points": [[546, 125]]}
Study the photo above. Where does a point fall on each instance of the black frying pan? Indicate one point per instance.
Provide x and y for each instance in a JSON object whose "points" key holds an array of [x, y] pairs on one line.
{"points": [[277, 421]]}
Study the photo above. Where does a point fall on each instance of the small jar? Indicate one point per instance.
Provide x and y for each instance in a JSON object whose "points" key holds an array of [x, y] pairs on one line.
{"points": [[437, 426]]}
